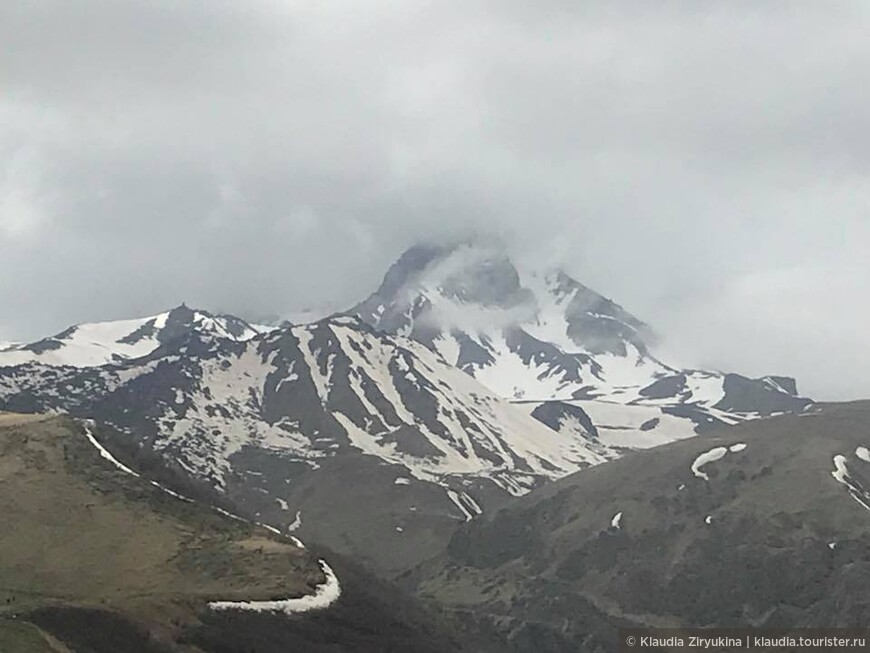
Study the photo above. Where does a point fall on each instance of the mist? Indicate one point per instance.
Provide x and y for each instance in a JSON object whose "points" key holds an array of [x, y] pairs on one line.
{"points": [[703, 165]]}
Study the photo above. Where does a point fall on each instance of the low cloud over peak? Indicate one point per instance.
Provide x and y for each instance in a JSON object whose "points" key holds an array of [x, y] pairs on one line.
{"points": [[704, 165]]}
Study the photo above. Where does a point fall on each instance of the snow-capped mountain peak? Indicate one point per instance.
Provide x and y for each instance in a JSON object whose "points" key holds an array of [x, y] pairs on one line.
{"points": [[478, 288], [537, 336], [483, 313], [97, 343]]}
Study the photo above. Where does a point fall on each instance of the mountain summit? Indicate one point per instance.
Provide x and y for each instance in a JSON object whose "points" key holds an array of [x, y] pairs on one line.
{"points": [[471, 288], [541, 336], [97, 343]]}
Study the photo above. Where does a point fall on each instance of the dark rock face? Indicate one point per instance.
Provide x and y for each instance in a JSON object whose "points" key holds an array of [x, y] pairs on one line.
{"points": [[236, 327], [783, 383], [534, 352], [553, 413], [382, 308], [770, 537], [48, 344], [492, 282], [147, 330], [601, 325], [471, 354], [669, 386], [751, 395], [411, 263], [179, 322]]}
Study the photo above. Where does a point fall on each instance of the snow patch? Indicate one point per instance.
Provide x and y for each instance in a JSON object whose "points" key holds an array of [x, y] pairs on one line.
{"points": [[325, 595], [620, 425], [105, 454], [713, 455], [841, 475], [841, 472], [465, 503]]}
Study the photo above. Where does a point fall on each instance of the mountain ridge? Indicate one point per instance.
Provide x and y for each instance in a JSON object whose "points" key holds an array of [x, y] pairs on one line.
{"points": [[92, 344], [269, 421], [425, 421]]}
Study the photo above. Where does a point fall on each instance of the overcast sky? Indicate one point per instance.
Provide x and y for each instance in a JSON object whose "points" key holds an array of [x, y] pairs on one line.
{"points": [[703, 163]]}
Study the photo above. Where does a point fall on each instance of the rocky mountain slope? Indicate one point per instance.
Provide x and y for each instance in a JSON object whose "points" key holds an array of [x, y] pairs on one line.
{"points": [[765, 523], [356, 438], [533, 336], [463, 381], [99, 559]]}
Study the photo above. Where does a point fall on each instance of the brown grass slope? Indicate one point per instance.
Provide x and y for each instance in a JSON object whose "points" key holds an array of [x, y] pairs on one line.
{"points": [[80, 533], [94, 560]]}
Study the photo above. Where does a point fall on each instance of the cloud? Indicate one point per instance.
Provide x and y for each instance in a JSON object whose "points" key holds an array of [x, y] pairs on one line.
{"points": [[807, 321], [260, 157]]}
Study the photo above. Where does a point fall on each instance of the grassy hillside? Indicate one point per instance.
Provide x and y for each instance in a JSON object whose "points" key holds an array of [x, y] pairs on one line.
{"points": [[95, 560], [757, 532], [82, 533], [86, 532], [23, 637]]}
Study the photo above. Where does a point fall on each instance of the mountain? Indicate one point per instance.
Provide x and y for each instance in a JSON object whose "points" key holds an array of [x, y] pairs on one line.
{"points": [[765, 523], [100, 559], [369, 443], [548, 341], [462, 382], [97, 343], [448, 431]]}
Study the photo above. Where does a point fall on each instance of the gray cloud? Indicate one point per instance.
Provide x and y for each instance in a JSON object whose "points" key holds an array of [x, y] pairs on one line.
{"points": [[705, 164]]}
